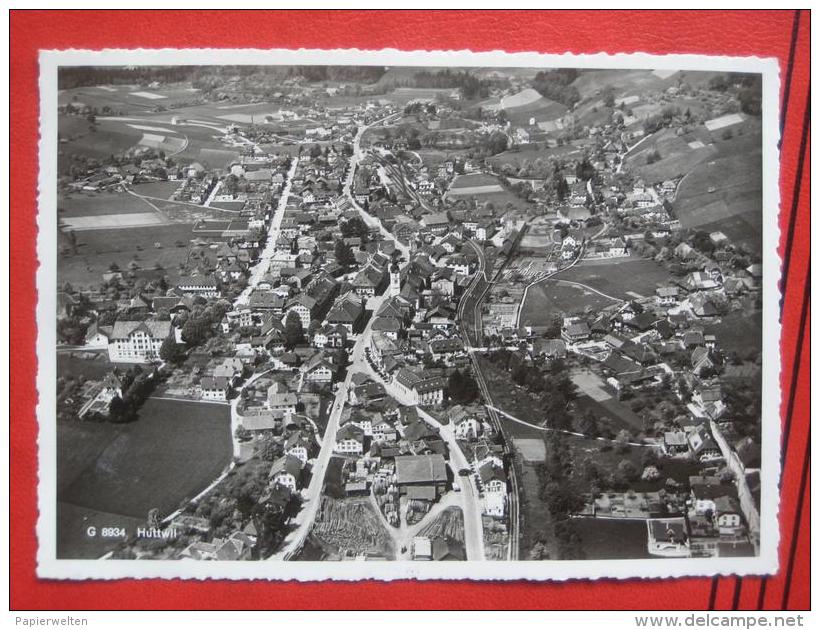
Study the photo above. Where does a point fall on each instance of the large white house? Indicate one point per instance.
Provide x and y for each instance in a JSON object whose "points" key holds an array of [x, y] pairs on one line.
{"points": [[136, 341]]}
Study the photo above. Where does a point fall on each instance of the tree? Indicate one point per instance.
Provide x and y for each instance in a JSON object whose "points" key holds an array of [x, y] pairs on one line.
{"points": [[462, 388], [627, 471], [294, 333], [344, 254], [196, 329], [171, 351], [354, 227], [588, 424]]}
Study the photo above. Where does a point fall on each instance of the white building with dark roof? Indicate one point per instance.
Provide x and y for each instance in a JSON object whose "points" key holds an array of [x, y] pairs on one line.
{"points": [[137, 341]]}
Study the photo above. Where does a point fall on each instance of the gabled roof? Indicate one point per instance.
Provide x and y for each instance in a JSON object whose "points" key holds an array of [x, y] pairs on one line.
{"points": [[154, 328], [287, 464], [420, 469]]}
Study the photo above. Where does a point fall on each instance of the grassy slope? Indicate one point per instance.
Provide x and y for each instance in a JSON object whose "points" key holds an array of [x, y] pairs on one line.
{"points": [[169, 454]]}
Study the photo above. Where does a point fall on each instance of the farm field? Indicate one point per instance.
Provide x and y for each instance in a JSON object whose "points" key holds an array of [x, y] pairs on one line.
{"points": [[99, 248], [475, 183], [160, 190], [186, 141], [100, 204], [591, 82], [621, 277], [551, 297], [129, 98], [734, 205], [169, 454], [110, 138]]}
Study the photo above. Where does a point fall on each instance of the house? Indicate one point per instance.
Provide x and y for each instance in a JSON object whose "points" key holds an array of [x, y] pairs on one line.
{"points": [[727, 515], [550, 348], [422, 548], [666, 296], [703, 307], [675, 443], [383, 431], [702, 362], [388, 326], [319, 370], [349, 440], [494, 485], [700, 281], [703, 446], [231, 368], [369, 282], [215, 388], [704, 490], [667, 538], [280, 399], [347, 311], [304, 306], [468, 428], [97, 336], [421, 470], [575, 332], [419, 390], [330, 336], [137, 341], [202, 286], [286, 472], [297, 446], [446, 349], [438, 222], [485, 229], [366, 393]]}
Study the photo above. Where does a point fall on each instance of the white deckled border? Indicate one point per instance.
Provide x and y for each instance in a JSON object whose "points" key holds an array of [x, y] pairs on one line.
{"points": [[48, 566]]}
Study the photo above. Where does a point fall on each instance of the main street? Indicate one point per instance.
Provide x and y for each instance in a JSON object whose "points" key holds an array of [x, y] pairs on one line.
{"points": [[369, 219], [313, 494], [263, 264], [303, 521]]}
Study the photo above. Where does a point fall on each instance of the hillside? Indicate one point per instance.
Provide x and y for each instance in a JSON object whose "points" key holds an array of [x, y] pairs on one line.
{"points": [[525, 105]]}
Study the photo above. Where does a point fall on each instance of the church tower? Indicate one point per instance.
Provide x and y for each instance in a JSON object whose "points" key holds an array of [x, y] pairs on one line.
{"points": [[395, 279]]}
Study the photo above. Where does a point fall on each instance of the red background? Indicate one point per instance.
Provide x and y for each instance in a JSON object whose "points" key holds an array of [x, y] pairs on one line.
{"points": [[781, 34]]}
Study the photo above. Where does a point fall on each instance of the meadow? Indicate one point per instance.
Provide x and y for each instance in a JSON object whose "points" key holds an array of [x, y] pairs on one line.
{"points": [[167, 456]]}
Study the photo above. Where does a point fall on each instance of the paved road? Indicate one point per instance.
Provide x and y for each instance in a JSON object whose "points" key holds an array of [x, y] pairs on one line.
{"points": [[263, 264], [369, 219], [468, 499], [471, 502], [313, 494]]}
